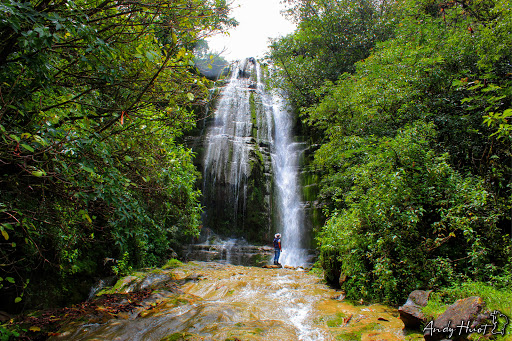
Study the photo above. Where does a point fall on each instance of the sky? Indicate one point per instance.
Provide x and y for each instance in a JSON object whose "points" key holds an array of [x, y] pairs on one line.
{"points": [[258, 20]]}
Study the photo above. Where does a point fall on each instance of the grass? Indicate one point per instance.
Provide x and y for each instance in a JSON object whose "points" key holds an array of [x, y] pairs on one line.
{"points": [[495, 299], [172, 264]]}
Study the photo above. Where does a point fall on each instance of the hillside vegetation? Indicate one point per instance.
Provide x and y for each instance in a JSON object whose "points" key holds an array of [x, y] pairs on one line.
{"points": [[94, 98], [409, 103]]}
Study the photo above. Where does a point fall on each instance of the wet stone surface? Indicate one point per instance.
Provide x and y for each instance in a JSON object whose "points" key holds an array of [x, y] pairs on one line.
{"points": [[212, 301]]}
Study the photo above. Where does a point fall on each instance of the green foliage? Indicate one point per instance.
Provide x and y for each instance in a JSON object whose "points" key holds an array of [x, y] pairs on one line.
{"points": [[7, 334], [416, 164], [95, 99], [122, 268], [211, 64], [172, 263], [495, 299], [331, 36]]}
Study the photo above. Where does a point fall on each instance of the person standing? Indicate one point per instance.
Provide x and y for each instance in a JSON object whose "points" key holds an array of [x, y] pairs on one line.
{"points": [[277, 248]]}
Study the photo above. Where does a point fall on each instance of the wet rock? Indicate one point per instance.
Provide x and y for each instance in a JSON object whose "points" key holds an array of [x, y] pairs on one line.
{"points": [[339, 297], [273, 266], [154, 280], [411, 316], [231, 302], [193, 277], [464, 312], [234, 252], [410, 312]]}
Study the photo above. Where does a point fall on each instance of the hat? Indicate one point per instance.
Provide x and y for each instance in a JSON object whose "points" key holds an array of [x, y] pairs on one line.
{"points": [[278, 235]]}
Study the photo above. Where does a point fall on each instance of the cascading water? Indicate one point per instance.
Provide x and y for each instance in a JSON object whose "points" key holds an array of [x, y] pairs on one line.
{"points": [[249, 142], [285, 169], [228, 142], [285, 157]]}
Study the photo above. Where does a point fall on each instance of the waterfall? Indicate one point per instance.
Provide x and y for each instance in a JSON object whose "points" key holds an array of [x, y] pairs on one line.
{"points": [[251, 170], [228, 144], [285, 169]]}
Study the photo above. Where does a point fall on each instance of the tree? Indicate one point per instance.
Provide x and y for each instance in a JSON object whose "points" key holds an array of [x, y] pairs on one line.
{"points": [[416, 161], [95, 96], [331, 36]]}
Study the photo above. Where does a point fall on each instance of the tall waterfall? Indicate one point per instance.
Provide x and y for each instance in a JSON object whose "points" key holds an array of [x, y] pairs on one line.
{"points": [[226, 166], [285, 168], [251, 170]]}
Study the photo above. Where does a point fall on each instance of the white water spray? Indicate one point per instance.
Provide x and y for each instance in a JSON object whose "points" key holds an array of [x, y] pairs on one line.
{"points": [[228, 141], [227, 155], [285, 168]]}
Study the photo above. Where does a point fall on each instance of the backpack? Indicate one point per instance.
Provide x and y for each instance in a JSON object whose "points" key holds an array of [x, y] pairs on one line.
{"points": [[276, 243]]}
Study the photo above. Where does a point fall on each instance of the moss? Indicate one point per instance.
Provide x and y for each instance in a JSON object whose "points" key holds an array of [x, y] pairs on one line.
{"points": [[336, 320], [413, 336], [177, 337], [254, 118], [356, 335], [172, 264]]}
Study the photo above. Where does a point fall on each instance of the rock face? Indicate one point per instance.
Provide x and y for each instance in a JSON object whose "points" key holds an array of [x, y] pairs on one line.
{"points": [[236, 163], [456, 320], [231, 251], [410, 312]]}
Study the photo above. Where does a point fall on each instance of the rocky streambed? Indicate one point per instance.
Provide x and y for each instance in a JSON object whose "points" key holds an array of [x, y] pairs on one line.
{"points": [[214, 301]]}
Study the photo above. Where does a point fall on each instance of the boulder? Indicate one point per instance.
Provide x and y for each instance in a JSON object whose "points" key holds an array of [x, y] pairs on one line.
{"points": [[410, 312], [456, 321], [419, 297]]}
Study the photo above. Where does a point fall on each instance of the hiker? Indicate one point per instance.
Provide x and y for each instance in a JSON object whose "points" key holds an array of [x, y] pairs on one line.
{"points": [[277, 248]]}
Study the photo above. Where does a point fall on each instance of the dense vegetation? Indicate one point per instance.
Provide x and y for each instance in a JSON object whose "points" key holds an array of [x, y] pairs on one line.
{"points": [[410, 104], [94, 98], [408, 101]]}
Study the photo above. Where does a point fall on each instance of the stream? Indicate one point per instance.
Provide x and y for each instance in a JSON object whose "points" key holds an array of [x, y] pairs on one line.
{"points": [[213, 301]]}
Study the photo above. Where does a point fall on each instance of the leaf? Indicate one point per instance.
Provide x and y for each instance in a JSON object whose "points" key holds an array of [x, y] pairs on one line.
{"points": [[34, 329], [38, 173], [10, 280], [150, 56], [18, 300], [87, 169], [190, 96], [27, 147], [128, 158], [86, 216], [5, 234]]}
